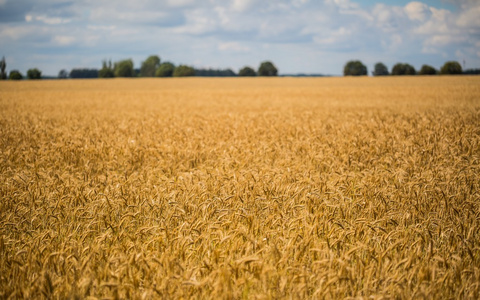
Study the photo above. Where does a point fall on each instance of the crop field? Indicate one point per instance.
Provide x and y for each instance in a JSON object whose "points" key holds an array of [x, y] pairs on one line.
{"points": [[240, 188]]}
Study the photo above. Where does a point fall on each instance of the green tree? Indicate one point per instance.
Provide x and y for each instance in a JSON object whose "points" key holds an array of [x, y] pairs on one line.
{"points": [[63, 74], [451, 68], [165, 70], [34, 74], [214, 73], [472, 71], [427, 70], [15, 75], [267, 68], [107, 70], [354, 68], [247, 71], [83, 73], [183, 70], [124, 68], [149, 66], [403, 69], [3, 65], [380, 70]]}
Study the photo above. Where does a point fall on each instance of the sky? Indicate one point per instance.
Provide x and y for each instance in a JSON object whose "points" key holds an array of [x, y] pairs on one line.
{"points": [[298, 36]]}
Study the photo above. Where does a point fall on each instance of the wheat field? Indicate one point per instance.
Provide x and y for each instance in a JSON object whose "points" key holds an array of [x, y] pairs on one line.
{"points": [[240, 188]]}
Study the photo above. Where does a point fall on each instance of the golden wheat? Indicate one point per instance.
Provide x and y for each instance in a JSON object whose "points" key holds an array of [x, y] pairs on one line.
{"points": [[240, 188]]}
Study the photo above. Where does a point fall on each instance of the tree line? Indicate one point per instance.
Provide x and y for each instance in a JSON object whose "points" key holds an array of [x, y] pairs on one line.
{"points": [[16, 75], [357, 68], [153, 67]]}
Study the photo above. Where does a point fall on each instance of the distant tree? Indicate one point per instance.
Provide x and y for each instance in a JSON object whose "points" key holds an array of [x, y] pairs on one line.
{"points": [[63, 74], [15, 75], [124, 68], [107, 70], [380, 69], [267, 68], [403, 69], [451, 68], [215, 73], [427, 70], [227, 73], [3, 65], [183, 70], [410, 70], [83, 73], [354, 68], [247, 71], [398, 69], [472, 71], [149, 66], [34, 74], [165, 70]]}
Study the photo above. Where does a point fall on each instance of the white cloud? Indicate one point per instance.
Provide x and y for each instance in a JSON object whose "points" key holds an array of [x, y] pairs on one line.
{"points": [[243, 5], [52, 21], [348, 7], [298, 3], [180, 3], [389, 19], [135, 16], [418, 11], [233, 46], [198, 22], [335, 37], [16, 33], [344, 4], [439, 23], [443, 40], [63, 40], [396, 40], [470, 18], [47, 20], [101, 28]]}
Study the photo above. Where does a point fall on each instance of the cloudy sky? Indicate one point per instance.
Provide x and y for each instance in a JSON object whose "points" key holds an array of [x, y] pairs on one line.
{"points": [[299, 36]]}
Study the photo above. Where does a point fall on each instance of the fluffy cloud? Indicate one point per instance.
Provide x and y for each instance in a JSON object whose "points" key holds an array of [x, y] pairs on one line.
{"points": [[64, 40], [243, 5], [47, 20], [470, 19], [233, 46], [418, 11]]}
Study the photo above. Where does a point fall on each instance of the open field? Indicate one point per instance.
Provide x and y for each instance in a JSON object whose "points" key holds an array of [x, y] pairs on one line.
{"points": [[240, 188]]}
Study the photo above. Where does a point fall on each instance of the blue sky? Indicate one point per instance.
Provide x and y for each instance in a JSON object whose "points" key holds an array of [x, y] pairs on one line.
{"points": [[439, 4], [298, 36]]}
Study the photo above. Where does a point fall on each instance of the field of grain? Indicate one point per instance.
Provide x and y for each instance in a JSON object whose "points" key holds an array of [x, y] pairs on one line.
{"points": [[260, 188]]}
